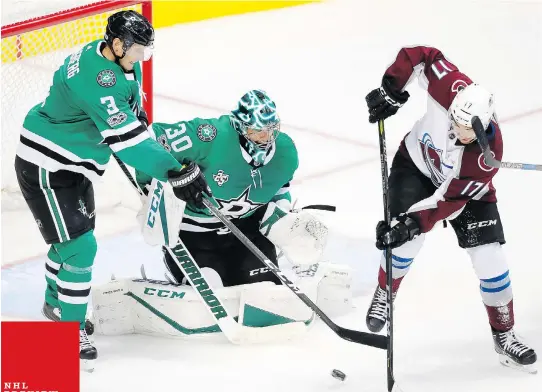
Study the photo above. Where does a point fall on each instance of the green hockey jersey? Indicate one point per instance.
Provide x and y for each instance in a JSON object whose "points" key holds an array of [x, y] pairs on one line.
{"points": [[90, 112], [238, 187]]}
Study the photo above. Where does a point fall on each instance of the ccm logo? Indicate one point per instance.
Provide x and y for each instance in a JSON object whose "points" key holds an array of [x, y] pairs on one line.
{"points": [[476, 225], [259, 271]]}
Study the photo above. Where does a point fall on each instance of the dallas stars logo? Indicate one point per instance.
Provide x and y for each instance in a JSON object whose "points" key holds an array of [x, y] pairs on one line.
{"points": [[83, 210], [106, 78], [238, 206]]}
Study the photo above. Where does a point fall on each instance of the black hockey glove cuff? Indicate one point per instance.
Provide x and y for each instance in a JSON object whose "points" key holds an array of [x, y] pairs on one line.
{"points": [[142, 117], [189, 184], [405, 229], [384, 101]]}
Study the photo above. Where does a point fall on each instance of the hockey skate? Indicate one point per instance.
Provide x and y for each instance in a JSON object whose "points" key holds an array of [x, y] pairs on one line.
{"points": [[53, 314], [377, 313], [87, 352], [513, 353]]}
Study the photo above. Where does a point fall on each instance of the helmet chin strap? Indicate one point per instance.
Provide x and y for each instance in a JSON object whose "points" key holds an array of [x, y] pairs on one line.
{"points": [[118, 58]]}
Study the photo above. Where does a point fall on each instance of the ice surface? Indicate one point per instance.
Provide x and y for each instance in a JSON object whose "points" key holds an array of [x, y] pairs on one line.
{"points": [[318, 62]]}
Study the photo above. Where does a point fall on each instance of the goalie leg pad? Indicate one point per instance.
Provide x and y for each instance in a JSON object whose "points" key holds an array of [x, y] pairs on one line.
{"points": [[111, 308], [265, 304], [329, 285], [159, 308], [154, 307]]}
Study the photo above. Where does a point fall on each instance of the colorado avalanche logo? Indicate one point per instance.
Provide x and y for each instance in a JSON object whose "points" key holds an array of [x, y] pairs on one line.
{"points": [[433, 159], [458, 85], [482, 163]]}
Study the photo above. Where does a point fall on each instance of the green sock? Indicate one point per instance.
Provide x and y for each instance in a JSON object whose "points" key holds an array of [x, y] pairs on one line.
{"points": [[74, 276], [52, 265]]}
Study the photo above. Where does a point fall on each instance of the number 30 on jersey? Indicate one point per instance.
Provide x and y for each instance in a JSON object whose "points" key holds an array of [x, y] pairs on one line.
{"points": [[178, 142]]}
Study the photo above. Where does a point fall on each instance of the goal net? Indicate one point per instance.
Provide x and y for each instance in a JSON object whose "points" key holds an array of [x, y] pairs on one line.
{"points": [[32, 50]]}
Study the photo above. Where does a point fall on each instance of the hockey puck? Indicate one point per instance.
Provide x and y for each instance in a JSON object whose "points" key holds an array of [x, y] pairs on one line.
{"points": [[338, 374]]}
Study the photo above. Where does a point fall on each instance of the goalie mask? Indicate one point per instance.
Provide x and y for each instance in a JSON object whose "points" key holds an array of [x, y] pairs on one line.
{"points": [[256, 119]]}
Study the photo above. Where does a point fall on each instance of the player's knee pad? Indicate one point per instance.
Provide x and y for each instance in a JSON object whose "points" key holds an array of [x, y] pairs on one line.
{"points": [[403, 256], [79, 252], [489, 263], [488, 260]]}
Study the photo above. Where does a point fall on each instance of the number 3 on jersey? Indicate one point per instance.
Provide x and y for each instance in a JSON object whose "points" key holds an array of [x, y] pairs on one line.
{"points": [[177, 143], [110, 105]]}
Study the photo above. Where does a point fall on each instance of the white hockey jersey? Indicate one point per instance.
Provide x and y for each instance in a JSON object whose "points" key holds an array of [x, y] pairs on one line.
{"points": [[458, 171]]}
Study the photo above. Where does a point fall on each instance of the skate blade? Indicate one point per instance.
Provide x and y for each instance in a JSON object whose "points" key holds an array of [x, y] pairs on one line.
{"points": [[505, 361], [87, 365]]}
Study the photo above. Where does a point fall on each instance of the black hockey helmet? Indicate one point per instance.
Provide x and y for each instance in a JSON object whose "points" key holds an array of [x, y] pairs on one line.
{"points": [[131, 28]]}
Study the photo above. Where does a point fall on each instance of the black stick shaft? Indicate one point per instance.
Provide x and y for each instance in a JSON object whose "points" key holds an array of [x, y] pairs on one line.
{"points": [[389, 266], [368, 339]]}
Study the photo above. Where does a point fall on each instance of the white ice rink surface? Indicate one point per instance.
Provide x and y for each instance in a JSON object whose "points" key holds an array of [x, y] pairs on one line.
{"points": [[318, 62]]}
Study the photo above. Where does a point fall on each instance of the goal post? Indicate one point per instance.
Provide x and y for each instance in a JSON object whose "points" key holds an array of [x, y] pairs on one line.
{"points": [[32, 50]]}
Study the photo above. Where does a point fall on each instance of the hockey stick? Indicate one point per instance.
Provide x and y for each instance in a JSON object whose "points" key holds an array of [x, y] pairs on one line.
{"points": [[364, 338], [234, 332], [489, 157], [367, 339], [388, 253], [129, 175]]}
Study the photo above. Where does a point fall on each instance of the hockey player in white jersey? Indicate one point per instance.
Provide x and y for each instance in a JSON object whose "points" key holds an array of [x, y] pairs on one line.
{"points": [[439, 174]]}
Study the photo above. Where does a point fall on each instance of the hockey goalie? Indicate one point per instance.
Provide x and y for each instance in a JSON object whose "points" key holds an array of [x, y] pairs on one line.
{"points": [[243, 164]]}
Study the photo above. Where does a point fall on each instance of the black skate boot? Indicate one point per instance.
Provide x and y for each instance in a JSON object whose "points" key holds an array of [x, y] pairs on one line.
{"points": [[377, 314], [87, 352], [53, 314], [512, 352]]}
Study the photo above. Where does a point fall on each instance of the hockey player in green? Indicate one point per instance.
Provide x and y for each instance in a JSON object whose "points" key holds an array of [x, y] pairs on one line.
{"points": [[93, 110], [248, 164]]}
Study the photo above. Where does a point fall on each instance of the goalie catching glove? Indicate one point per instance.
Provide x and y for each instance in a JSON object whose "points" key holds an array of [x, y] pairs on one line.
{"points": [[301, 236]]}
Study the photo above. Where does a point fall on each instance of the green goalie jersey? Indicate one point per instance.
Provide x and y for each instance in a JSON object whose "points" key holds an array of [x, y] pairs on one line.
{"points": [[90, 112], [238, 187]]}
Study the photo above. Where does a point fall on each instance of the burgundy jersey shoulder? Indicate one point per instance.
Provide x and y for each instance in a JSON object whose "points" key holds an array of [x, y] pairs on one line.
{"points": [[442, 78]]}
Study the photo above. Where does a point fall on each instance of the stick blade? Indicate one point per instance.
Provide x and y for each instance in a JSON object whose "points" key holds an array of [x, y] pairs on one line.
{"points": [[368, 339]]}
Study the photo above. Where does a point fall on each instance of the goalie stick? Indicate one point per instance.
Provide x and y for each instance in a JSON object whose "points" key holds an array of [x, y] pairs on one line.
{"points": [[489, 157], [368, 339], [234, 332]]}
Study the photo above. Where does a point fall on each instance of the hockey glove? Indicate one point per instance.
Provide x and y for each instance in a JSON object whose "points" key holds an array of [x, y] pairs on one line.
{"points": [[384, 101], [300, 235], [189, 184], [403, 229]]}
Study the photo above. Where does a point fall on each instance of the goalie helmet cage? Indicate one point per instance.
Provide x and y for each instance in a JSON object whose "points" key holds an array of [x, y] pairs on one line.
{"points": [[32, 50]]}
